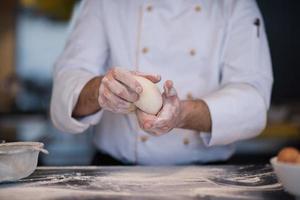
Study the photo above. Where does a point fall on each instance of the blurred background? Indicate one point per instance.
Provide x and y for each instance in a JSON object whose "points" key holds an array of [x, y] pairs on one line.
{"points": [[33, 34]]}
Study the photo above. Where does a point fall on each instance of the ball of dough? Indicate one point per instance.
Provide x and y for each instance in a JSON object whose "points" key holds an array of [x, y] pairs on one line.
{"points": [[288, 155], [150, 100]]}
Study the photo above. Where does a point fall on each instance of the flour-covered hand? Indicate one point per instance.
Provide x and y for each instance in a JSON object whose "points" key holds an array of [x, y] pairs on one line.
{"points": [[169, 116], [119, 90]]}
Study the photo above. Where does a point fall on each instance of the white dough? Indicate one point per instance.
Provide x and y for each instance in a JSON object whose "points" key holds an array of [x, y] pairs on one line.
{"points": [[150, 100]]}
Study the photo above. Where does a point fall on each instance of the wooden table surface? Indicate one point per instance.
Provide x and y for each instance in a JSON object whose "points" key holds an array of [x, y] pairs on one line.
{"points": [[181, 182]]}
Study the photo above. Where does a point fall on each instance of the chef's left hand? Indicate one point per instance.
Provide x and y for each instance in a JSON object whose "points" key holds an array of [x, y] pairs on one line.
{"points": [[169, 116]]}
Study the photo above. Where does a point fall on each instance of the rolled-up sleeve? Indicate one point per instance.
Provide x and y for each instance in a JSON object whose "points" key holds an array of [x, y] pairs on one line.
{"points": [[239, 108], [83, 58]]}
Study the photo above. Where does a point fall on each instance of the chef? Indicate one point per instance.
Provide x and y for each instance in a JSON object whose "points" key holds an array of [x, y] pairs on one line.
{"points": [[211, 59]]}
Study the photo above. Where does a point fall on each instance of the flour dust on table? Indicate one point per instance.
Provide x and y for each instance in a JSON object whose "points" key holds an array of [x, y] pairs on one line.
{"points": [[190, 182]]}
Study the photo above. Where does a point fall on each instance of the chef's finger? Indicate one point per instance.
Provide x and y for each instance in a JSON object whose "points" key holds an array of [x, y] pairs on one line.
{"points": [[155, 78], [115, 101], [146, 120], [127, 79], [119, 109], [157, 132], [101, 98], [169, 89], [152, 132], [120, 90], [161, 124]]}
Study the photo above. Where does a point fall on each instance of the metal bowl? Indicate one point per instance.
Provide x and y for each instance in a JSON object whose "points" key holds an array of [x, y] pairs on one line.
{"points": [[19, 159]]}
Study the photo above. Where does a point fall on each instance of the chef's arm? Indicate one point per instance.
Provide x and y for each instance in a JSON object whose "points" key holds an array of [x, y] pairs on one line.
{"points": [[238, 108], [87, 102], [83, 58], [195, 115]]}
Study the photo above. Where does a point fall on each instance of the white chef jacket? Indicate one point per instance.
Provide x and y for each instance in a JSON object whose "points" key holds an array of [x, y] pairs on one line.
{"points": [[215, 50]]}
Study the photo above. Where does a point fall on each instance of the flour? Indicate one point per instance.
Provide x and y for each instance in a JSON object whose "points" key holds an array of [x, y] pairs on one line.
{"points": [[137, 182], [245, 180]]}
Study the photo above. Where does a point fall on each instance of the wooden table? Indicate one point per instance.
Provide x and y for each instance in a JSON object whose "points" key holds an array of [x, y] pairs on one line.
{"points": [[181, 182]]}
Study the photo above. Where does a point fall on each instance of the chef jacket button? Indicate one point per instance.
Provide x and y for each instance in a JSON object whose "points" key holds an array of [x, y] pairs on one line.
{"points": [[149, 8], [145, 50], [192, 52], [186, 141], [197, 8], [189, 96], [144, 138]]}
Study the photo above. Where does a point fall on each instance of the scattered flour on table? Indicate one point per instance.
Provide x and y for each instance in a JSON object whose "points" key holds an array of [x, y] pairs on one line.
{"points": [[188, 181]]}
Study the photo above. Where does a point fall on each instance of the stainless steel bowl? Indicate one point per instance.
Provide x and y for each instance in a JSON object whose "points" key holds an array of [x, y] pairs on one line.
{"points": [[19, 159]]}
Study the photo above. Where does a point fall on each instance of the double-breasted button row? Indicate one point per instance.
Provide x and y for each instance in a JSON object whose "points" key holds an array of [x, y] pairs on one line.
{"points": [[197, 8], [146, 50], [145, 138]]}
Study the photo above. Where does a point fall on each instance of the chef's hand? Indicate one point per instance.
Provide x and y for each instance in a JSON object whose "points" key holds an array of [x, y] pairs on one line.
{"points": [[169, 116], [119, 90]]}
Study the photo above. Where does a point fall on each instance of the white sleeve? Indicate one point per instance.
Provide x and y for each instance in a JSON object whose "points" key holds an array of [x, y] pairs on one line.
{"points": [[83, 58], [239, 108]]}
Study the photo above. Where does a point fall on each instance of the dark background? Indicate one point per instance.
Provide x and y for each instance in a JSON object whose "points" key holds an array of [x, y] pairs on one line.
{"points": [[282, 21]]}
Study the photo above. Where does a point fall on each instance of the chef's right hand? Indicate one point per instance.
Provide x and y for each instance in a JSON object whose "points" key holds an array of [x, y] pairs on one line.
{"points": [[119, 90]]}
